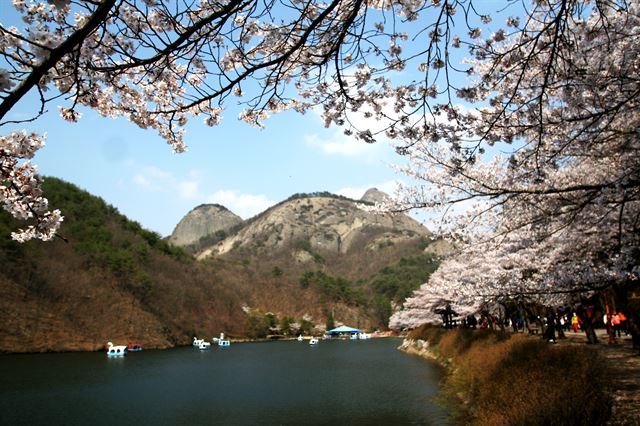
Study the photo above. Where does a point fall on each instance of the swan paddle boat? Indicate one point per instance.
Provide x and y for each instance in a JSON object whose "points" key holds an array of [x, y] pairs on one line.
{"points": [[222, 342], [113, 351], [313, 341], [197, 342], [204, 345], [134, 347]]}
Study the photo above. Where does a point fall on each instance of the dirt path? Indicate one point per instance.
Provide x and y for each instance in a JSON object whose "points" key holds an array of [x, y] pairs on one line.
{"points": [[625, 367]]}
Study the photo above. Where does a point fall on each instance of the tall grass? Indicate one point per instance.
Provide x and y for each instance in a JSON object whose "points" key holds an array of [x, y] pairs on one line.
{"points": [[496, 378]]}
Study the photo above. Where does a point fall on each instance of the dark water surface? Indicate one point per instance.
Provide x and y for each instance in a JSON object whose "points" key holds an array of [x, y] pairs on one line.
{"points": [[272, 383]]}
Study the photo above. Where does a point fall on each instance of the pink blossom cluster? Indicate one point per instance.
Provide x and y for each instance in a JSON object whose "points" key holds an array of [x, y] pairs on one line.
{"points": [[20, 187]]}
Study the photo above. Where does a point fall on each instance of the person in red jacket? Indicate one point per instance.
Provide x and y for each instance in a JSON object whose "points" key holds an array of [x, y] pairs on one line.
{"points": [[616, 320]]}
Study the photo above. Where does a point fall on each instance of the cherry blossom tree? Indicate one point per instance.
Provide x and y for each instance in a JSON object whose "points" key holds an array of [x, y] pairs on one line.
{"points": [[557, 214], [519, 268]]}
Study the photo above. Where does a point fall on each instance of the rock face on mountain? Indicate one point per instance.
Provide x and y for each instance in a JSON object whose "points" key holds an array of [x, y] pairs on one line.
{"points": [[374, 195], [202, 221], [320, 253], [321, 223]]}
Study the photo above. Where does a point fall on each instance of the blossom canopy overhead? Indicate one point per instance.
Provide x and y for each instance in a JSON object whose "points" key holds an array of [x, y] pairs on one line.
{"points": [[161, 64]]}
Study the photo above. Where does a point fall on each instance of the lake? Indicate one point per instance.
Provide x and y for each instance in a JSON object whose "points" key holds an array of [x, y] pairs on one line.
{"points": [[263, 383]]}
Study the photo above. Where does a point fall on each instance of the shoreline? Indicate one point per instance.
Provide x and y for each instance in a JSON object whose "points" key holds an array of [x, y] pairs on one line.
{"points": [[623, 364], [92, 347]]}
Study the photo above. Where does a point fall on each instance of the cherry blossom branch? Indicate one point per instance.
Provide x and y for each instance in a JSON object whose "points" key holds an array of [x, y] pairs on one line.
{"points": [[55, 55]]}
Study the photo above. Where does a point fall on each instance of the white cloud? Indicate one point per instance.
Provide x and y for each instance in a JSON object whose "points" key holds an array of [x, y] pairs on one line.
{"points": [[156, 173], [154, 179], [337, 143], [142, 181], [244, 205], [340, 144], [188, 189]]}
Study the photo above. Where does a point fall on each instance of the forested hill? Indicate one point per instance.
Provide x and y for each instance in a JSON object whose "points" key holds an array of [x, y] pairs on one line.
{"points": [[318, 255], [112, 281]]}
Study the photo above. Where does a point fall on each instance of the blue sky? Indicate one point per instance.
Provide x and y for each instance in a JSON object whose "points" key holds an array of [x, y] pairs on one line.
{"points": [[241, 167]]}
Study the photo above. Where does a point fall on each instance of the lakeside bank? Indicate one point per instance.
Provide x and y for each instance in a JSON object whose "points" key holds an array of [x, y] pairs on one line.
{"points": [[503, 378]]}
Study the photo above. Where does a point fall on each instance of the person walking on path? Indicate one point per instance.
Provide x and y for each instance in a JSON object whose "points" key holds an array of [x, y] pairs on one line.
{"points": [[623, 323], [575, 322], [615, 323], [589, 318], [560, 323], [550, 331], [608, 324]]}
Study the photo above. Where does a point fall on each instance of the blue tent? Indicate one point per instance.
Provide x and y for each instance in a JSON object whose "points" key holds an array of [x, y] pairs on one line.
{"points": [[343, 329]]}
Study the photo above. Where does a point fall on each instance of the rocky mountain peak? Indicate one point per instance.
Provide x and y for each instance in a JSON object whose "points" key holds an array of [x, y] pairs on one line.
{"points": [[202, 221], [326, 223], [374, 195]]}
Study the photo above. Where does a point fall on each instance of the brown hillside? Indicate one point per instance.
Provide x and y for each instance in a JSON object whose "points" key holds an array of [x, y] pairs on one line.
{"points": [[112, 281]]}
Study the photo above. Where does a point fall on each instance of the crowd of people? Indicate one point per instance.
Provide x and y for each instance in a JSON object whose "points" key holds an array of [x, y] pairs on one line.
{"points": [[552, 324]]}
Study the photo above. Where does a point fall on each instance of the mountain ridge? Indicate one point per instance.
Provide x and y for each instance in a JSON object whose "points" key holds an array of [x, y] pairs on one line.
{"points": [[116, 281], [282, 218]]}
